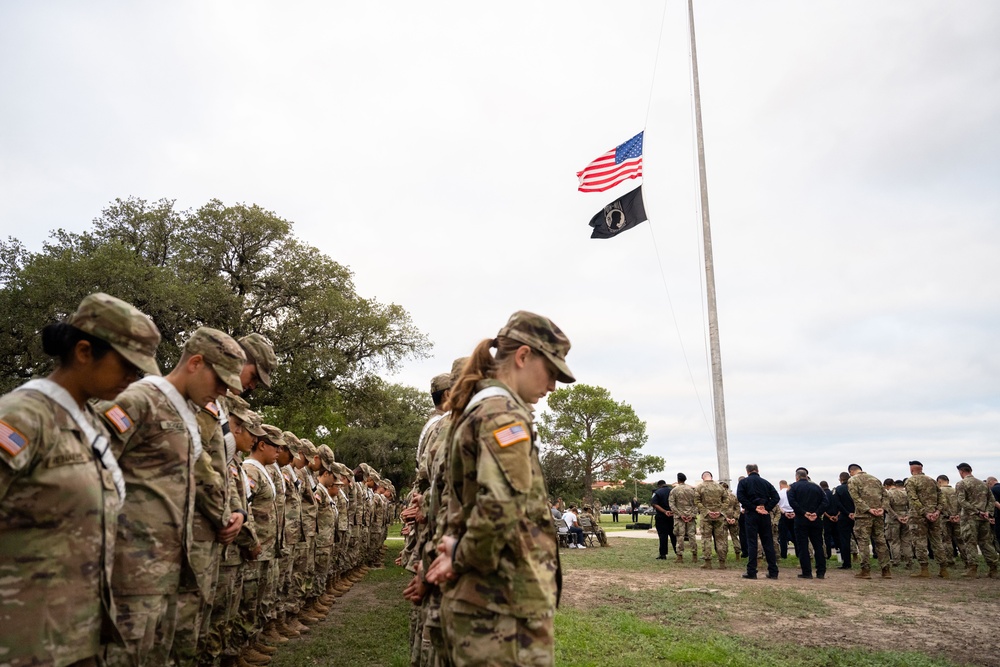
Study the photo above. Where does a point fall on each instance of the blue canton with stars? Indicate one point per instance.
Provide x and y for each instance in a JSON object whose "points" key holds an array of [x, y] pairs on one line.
{"points": [[629, 150]]}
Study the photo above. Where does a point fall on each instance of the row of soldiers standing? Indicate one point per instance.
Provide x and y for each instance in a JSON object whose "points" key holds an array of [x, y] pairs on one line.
{"points": [[157, 521]]}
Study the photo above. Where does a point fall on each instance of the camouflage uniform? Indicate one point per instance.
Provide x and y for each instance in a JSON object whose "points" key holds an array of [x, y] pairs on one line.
{"points": [[951, 531], [305, 555], [682, 504], [58, 512], [291, 571], [868, 493], [975, 497], [924, 498], [433, 649], [897, 534], [595, 524], [326, 522], [711, 497], [260, 575], [733, 514], [157, 446], [501, 605]]}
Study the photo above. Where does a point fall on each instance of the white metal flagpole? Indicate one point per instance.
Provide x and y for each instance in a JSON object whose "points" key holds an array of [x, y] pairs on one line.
{"points": [[721, 440]]}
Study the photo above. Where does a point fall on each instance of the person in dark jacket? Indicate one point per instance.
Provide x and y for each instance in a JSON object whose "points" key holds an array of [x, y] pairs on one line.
{"points": [[758, 497], [809, 502], [829, 520], [664, 518], [845, 521]]}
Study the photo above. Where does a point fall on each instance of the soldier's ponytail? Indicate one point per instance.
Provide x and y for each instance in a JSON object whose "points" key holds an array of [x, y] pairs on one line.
{"points": [[480, 365]]}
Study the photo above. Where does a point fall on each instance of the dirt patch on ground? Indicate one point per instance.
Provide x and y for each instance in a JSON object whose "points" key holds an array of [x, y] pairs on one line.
{"points": [[950, 618]]}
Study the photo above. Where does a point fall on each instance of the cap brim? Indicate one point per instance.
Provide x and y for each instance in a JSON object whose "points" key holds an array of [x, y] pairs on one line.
{"points": [[231, 379], [259, 432], [565, 374], [145, 364], [265, 377]]}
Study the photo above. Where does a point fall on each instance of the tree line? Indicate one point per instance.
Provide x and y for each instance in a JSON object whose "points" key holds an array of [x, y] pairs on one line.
{"points": [[237, 268]]}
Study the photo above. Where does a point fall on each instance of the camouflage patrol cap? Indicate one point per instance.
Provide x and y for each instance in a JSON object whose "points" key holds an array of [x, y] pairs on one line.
{"points": [[260, 353], [292, 442], [326, 457], [308, 448], [456, 368], [255, 425], [128, 330], [440, 382], [240, 409], [273, 435], [221, 352], [341, 469], [541, 334]]}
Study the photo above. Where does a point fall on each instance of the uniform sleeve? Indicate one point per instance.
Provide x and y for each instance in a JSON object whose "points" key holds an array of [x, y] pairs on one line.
{"points": [[699, 501], [860, 506], [210, 494], [21, 441], [503, 476], [124, 418], [913, 498], [793, 501]]}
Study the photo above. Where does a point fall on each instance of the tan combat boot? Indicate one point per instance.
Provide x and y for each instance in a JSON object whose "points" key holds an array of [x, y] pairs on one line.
{"points": [[272, 636], [680, 558], [971, 571], [285, 630], [923, 573], [722, 564], [887, 572], [864, 573], [255, 657], [264, 649], [993, 572], [943, 572], [707, 565]]}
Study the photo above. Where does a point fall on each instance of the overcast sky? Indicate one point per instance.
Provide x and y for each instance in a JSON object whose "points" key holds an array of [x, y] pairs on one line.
{"points": [[853, 153]]}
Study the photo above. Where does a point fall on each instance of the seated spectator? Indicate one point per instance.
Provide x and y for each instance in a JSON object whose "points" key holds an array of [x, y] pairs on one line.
{"points": [[576, 533], [588, 516]]}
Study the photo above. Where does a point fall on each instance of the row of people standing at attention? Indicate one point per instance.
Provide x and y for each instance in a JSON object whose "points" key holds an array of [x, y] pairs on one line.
{"points": [[120, 490]]}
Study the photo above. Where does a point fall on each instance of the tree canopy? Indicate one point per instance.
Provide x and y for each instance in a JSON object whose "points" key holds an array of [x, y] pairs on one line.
{"points": [[240, 269], [587, 432]]}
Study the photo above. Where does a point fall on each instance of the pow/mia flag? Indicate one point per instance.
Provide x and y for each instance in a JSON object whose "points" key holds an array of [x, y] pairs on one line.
{"points": [[620, 215]]}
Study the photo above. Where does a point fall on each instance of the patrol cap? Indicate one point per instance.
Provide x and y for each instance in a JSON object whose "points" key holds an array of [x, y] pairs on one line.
{"points": [[255, 425], [260, 353], [122, 325], [292, 442], [326, 457], [541, 334], [308, 448], [456, 368], [964, 467], [440, 382], [916, 463], [273, 435], [341, 469], [221, 352], [240, 409]]}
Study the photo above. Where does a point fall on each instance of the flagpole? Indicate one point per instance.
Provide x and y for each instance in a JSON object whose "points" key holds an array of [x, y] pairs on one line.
{"points": [[721, 440]]}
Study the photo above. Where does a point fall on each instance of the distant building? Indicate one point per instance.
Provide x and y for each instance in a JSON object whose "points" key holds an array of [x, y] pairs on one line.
{"points": [[601, 485]]}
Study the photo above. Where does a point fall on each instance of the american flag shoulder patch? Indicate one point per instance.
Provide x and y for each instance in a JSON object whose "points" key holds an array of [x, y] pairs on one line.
{"points": [[119, 419], [253, 484], [213, 408], [12, 441], [234, 471], [508, 435]]}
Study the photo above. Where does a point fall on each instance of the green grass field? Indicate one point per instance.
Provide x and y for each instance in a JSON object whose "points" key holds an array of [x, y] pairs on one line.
{"points": [[622, 627]]}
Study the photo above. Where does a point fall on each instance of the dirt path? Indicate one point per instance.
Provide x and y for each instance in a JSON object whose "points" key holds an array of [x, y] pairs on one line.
{"points": [[954, 618]]}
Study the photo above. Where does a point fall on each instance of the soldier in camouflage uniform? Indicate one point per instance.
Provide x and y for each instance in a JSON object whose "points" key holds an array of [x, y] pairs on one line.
{"points": [[498, 563], [291, 569], [326, 520], [712, 501], [951, 533], [732, 516], [61, 488], [682, 504], [305, 557], [157, 442], [215, 646], [975, 501], [260, 577], [897, 536], [215, 525], [594, 518], [340, 584], [869, 520], [924, 499]]}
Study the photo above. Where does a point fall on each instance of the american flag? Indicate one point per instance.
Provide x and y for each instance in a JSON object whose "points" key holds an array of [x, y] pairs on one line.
{"points": [[610, 169], [118, 417], [11, 439], [509, 435]]}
